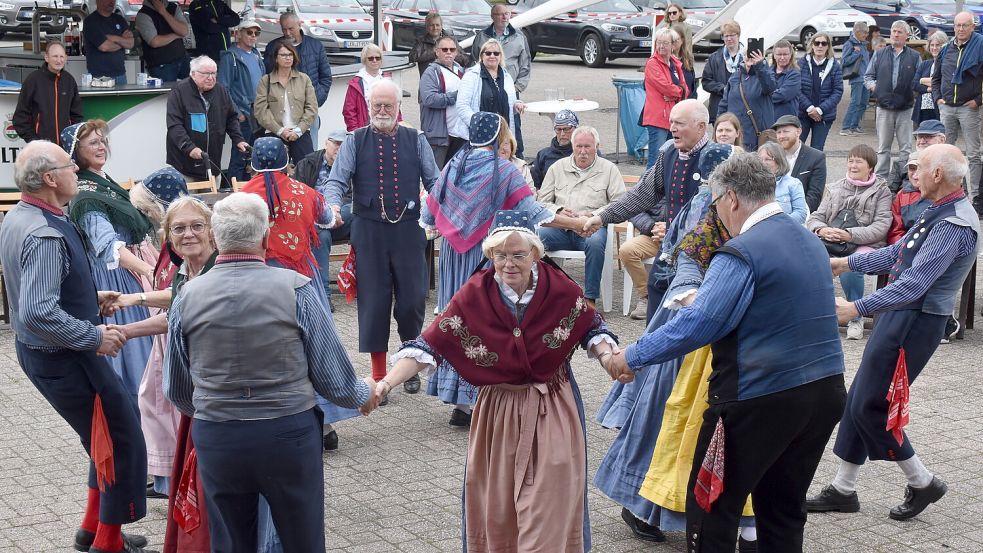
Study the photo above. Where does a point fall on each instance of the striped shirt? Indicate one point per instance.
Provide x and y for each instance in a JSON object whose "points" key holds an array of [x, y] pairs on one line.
{"points": [[945, 243], [330, 369]]}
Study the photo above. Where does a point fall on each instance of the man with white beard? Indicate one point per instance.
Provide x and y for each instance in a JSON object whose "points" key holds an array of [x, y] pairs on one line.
{"points": [[384, 165]]}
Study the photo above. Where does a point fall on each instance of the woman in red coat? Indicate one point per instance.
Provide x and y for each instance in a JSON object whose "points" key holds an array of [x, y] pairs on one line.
{"points": [[356, 108], [665, 85]]}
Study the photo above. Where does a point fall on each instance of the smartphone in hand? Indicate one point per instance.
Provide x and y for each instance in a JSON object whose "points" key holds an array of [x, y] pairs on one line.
{"points": [[755, 45]]}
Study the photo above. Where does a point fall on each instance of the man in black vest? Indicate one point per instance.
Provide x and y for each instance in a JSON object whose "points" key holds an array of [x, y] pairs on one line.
{"points": [[889, 77], [383, 164], [162, 26]]}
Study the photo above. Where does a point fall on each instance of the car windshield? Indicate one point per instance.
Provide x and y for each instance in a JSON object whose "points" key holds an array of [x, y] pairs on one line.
{"points": [[329, 6], [611, 6], [694, 4], [460, 6]]}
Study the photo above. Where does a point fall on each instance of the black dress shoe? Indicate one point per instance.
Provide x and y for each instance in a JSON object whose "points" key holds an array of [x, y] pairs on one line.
{"points": [[127, 548], [460, 418], [330, 441], [745, 546], [642, 529], [84, 539], [830, 499], [154, 494], [916, 499], [412, 385]]}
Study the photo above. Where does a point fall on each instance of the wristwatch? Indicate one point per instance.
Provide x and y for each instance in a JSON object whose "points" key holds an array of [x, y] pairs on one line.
{"points": [[143, 298]]}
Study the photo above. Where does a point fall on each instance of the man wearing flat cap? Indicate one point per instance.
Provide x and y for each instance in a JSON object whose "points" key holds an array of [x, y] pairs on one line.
{"points": [[560, 147], [808, 164]]}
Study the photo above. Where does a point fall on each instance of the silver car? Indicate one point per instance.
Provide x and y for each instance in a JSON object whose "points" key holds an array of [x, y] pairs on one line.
{"points": [[15, 16], [341, 25], [836, 21]]}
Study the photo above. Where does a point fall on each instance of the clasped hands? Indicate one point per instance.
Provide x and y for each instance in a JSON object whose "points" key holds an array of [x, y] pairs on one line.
{"points": [[614, 363], [374, 397], [580, 220]]}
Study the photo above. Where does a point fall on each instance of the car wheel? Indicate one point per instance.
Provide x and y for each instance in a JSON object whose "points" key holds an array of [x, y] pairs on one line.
{"points": [[915, 30], [805, 37], [592, 50]]}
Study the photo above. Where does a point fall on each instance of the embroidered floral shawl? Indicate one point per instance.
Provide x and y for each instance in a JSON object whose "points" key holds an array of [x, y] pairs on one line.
{"points": [[296, 209], [700, 243], [102, 194], [480, 337]]}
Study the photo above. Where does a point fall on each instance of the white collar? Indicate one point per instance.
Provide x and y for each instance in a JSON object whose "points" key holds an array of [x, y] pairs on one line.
{"points": [[512, 296], [761, 214]]}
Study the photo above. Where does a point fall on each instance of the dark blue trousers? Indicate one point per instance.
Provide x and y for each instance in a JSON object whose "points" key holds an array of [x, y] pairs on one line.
{"points": [[279, 459], [862, 435], [69, 381]]}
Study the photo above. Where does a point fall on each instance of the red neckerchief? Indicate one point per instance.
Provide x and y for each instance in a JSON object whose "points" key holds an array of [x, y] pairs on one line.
{"points": [[479, 336], [897, 399], [39, 203], [293, 236]]}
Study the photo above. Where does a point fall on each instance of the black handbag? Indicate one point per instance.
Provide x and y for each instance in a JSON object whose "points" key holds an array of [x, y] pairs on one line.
{"points": [[845, 219]]}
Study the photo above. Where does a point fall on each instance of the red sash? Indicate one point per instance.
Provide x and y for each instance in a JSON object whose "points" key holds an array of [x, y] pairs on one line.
{"points": [[480, 337]]}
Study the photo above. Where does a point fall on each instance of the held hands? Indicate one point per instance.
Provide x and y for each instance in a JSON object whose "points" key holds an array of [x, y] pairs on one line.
{"points": [[592, 224], [845, 311], [617, 367], [374, 398], [338, 221], [113, 340], [108, 302], [839, 265], [659, 232]]}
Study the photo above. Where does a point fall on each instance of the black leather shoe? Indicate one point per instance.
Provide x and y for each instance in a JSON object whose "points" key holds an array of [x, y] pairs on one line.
{"points": [[916, 499], [84, 539], [127, 548], [642, 529], [330, 441], [412, 385], [830, 499], [745, 546], [460, 418]]}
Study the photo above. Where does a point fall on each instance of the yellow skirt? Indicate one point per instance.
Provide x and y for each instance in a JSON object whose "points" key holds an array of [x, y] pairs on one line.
{"points": [[667, 479]]}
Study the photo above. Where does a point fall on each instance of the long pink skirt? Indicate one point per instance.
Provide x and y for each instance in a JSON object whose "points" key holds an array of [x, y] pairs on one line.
{"points": [[526, 471]]}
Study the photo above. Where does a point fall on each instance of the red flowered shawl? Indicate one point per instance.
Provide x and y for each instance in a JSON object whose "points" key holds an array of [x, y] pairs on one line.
{"points": [[296, 210], [480, 337]]}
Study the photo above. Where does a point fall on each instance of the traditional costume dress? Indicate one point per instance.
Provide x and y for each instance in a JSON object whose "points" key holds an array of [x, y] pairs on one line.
{"points": [[102, 210], [525, 480], [461, 206]]}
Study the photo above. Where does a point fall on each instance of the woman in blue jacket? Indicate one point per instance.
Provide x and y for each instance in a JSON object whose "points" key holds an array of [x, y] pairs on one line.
{"points": [[822, 88], [758, 83], [786, 96]]}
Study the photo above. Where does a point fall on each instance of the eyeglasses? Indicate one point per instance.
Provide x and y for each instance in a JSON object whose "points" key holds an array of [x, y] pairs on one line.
{"points": [[206, 74], [563, 129], [491, 53], [383, 107], [713, 204], [73, 166], [964, 25], [285, 55], [820, 43], [514, 258], [373, 58], [448, 50], [196, 228], [252, 32]]}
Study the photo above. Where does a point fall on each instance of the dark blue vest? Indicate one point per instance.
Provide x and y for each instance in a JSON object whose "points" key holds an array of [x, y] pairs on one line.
{"points": [[78, 289], [788, 336], [941, 296], [901, 96], [679, 179], [387, 168]]}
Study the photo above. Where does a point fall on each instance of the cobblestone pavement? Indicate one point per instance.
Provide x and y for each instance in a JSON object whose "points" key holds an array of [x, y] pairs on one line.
{"points": [[395, 482]]}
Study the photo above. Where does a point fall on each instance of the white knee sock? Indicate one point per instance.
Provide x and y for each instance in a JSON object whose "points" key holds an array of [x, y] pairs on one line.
{"points": [[918, 475], [846, 477], [749, 533], [463, 407]]}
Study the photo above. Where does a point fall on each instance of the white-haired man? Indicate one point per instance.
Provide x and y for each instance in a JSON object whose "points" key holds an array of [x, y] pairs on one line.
{"points": [[256, 432], [889, 76], [383, 164], [200, 112]]}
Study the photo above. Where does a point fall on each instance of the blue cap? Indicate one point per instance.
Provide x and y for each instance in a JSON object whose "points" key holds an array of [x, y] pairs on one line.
{"points": [[69, 139], [269, 154], [166, 184], [565, 117], [711, 156], [337, 135], [930, 126], [484, 128]]}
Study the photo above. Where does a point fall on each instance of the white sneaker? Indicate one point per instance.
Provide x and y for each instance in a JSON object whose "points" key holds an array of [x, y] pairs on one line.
{"points": [[855, 330], [641, 310]]}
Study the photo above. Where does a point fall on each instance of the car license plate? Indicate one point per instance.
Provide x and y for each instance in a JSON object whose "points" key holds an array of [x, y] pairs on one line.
{"points": [[356, 43], [645, 43]]}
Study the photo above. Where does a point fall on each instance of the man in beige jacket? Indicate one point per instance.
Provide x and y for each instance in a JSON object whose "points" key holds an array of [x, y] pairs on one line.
{"points": [[581, 185]]}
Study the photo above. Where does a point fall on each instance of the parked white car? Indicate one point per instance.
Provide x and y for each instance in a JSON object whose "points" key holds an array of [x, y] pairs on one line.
{"points": [[341, 25], [837, 22]]}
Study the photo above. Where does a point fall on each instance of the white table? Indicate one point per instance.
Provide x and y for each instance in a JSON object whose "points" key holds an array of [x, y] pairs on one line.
{"points": [[549, 107]]}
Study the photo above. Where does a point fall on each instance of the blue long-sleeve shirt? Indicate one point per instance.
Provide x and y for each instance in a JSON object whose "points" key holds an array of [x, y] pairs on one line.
{"points": [[945, 243], [339, 182], [330, 369], [720, 305]]}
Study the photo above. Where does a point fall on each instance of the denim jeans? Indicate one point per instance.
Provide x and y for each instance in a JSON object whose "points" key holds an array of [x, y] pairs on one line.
{"points": [[853, 286], [859, 97], [314, 132], [819, 129], [173, 71], [657, 137], [239, 160], [593, 248], [322, 254]]}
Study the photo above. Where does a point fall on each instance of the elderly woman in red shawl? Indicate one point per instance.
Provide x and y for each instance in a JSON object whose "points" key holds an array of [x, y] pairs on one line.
{"points": [[511, 331]]}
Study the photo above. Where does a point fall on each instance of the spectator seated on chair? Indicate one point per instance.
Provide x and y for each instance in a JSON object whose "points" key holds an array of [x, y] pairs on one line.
{"points": [[582, 184]]}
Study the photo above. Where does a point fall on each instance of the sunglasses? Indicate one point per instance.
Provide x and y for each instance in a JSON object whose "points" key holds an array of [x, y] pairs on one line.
{"points": [[820, 43], [672, 13], [448, 50], [493, 54], [373, 58], [252, 32]]}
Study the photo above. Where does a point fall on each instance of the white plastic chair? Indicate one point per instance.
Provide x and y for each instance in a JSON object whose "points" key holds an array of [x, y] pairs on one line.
{"points": [[607, 270], [629, 286]]}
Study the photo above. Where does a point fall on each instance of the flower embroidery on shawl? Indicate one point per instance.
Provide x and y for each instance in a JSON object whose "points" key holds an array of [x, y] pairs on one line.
{"points": [[87, 186], [473, 348], [560, 334], [289, 240]]}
